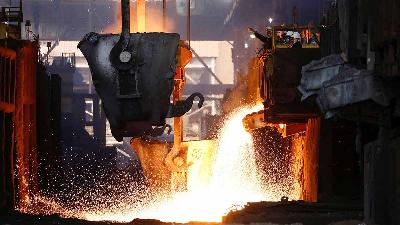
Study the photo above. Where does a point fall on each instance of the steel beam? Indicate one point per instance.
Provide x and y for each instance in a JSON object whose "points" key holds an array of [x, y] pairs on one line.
{"points": [[205, 66]]}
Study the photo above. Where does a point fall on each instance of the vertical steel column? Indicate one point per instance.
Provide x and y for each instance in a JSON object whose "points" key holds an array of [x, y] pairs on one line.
{"points": [[7, 100], [311, 161], [176, 158], [22, 170], [179, 177], [25, 124], [18, 115]]}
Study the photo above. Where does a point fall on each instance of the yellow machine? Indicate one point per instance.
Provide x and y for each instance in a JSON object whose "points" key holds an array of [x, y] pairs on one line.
{"points": [[273, 77], [266, 72]]}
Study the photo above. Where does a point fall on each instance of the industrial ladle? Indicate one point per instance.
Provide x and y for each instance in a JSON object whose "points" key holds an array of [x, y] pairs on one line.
{"points": [[133, 73]]}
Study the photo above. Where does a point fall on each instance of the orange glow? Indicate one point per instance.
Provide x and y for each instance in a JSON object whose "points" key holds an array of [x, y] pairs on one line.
{"points": [[141, 15], [218, 179], [152, 18], [222, 175], [282, 129]]}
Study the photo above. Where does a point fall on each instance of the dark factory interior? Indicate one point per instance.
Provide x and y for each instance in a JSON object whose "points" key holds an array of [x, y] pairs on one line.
{"points": [[209, 112]]}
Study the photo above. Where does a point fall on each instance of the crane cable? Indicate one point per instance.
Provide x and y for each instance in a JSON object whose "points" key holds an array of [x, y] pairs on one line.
{"points": [[188, 22]]}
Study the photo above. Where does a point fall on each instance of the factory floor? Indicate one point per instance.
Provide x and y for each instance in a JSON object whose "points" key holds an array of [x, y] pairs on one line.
{"points": [[261, 213]]}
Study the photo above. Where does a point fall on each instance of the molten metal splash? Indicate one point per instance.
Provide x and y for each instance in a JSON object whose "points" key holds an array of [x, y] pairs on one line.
{"points": [[232, 181]]}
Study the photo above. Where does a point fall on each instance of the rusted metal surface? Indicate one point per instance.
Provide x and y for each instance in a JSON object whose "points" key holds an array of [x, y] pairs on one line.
{"points": [[160, 177], [174, 162], [8, 53], [279, 142], [255, 80], [311, 155], [7, 130], [18, 131], [25, 110], [151, 155]]}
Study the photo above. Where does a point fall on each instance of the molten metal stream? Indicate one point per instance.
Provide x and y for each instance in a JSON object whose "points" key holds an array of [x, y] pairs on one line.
{"points": [[234, 180]]}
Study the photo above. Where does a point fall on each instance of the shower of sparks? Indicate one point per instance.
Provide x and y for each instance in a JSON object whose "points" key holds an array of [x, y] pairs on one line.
{"points": [[235, 180]]}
